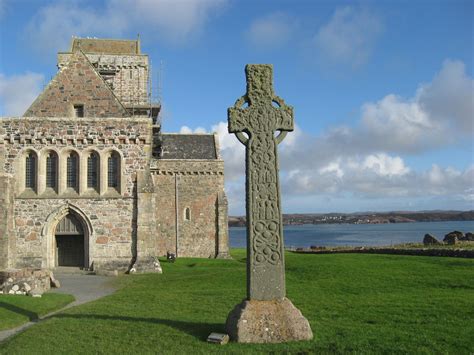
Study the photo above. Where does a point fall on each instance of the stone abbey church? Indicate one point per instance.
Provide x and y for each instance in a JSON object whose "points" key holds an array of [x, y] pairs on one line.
{"points": [[88, 179]]}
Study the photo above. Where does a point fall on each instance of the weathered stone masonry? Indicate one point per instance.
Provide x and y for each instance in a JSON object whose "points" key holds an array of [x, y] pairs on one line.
{"points": [[110, 215], [191, 185], [87, 179]]}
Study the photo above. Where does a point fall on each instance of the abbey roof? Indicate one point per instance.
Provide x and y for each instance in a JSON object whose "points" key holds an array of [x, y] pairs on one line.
{"points": [[188, 146]]}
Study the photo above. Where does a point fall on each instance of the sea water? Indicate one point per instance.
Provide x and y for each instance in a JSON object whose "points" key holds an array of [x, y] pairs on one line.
{"points": [[358, 234]]}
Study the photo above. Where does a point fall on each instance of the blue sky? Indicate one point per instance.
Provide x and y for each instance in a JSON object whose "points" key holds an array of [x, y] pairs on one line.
{"points": [[383, 91]]}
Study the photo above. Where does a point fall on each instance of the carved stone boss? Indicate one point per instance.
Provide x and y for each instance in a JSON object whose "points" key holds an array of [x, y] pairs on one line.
{"points": [[261, 120]]}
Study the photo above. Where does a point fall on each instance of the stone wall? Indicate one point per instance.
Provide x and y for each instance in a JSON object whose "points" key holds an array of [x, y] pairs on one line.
{"points": [[62, 93], [7, 240], [162, 204], [127, 75], [193, 185], [109, 243], [111, 217], [130, 138]]}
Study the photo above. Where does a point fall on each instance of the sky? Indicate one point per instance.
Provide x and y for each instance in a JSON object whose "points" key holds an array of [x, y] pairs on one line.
{"points": [[383, 91]]}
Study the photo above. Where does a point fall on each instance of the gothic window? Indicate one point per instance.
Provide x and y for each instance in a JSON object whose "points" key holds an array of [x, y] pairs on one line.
{"points": [[72, 171], [30, 171], [51, 170], [93, 171], [113, 170], [187, 214]]}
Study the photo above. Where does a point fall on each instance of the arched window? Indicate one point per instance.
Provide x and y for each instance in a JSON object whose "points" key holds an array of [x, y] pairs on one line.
{"points": [[187, 214], [51, 170], [113, 170], [93, 171], [72, 171], [30, 171]]}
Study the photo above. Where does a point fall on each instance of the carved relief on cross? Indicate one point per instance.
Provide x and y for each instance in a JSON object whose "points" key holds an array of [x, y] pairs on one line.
{"points": [[255, 111], [254, 119]]}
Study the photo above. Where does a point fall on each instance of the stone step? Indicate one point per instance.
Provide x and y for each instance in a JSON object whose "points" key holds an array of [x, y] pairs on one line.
{"points": [[71, 270]]}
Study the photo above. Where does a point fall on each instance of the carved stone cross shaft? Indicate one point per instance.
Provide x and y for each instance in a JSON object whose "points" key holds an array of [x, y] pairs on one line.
{"points": [[255, 119]]}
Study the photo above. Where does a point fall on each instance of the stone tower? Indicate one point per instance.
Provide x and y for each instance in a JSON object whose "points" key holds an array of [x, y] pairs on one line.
{"points": [[122, 66]]}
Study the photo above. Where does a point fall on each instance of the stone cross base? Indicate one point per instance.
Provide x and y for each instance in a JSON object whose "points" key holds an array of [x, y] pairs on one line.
{"points": [[274, 321]]}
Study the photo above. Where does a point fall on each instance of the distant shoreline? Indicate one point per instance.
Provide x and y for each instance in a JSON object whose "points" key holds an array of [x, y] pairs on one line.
{"points": [[366, 218]]}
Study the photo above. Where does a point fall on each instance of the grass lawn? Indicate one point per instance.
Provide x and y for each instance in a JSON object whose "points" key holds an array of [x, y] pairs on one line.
{"points": [[16, 310], [354, 302]]}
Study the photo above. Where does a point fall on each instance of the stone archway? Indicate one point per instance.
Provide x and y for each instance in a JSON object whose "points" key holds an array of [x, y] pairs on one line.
{"points": [[48, 234], [69, 237]]}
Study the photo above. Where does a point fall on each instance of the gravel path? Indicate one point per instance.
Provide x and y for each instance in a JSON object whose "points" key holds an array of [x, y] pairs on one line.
{"points": [[84, 288]]}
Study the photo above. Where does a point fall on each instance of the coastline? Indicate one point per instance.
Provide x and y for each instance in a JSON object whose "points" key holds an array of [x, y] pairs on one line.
{"points": [[463, 250]]}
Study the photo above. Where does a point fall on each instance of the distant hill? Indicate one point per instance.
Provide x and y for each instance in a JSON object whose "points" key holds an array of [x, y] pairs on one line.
{"points": [[366, 217]]}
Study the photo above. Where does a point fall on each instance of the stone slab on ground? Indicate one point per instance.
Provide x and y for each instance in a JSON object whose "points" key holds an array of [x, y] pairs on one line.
{"points": [[274, 321]]}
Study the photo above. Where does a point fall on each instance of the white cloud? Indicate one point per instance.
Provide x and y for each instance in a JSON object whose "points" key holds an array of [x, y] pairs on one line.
{"points": [[433, 118], [385, 165], [187, 130], [349, 37], [449, 98], [332, 168], [271, 31], [366, 161], [175, 21], [376, 177], [17, 92]]}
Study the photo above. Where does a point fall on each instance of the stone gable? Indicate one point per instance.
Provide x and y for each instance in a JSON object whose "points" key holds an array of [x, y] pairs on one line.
{"points": [[77, 83]]}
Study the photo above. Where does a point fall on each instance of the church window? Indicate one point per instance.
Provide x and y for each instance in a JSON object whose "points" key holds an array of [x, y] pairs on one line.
{"points": [[51, 170], [187, 214], [72, 171], [30, 171], [113, 170], [79, 110], [93, 171]]}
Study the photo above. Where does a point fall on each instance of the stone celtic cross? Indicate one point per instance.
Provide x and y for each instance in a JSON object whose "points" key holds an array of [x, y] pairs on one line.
{"points": [[255, 119], [261, 120]]}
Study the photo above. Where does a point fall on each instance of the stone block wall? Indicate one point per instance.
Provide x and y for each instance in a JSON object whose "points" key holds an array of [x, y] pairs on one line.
{"points": [[194, 185], [109, 245], [61, 95], [111, 217], [126, 74], [130, 138], [7, 240]]}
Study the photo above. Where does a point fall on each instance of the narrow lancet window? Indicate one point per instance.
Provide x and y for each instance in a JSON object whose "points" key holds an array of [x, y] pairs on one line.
{"points": [[72, 171], [113, 170], [30, 171], [93, 171], [79, 110], [187, 214], [51, 170]]}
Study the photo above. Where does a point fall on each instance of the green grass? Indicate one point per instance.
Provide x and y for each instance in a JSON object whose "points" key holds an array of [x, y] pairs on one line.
{"points": [[465, 245], [459, 245], [355, 303], [16, 310]]}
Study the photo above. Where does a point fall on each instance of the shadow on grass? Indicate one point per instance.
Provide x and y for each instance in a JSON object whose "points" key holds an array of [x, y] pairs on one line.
{"points": [[32, 316], [198, 330]]}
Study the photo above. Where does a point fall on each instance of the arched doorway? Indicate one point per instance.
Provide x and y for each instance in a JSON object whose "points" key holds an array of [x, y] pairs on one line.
{"points": [[69, 237], [48, 234]]}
